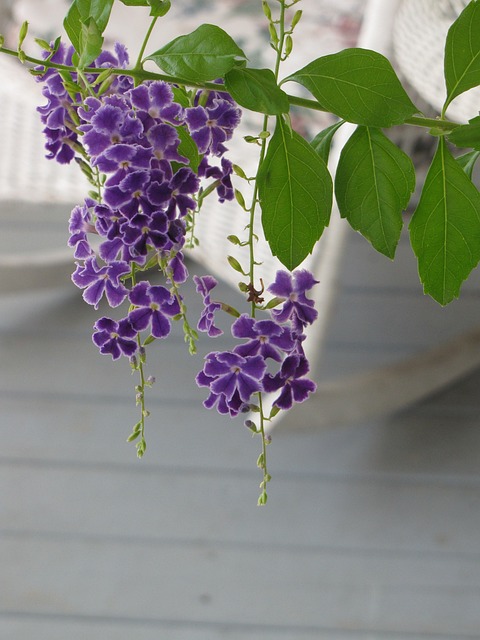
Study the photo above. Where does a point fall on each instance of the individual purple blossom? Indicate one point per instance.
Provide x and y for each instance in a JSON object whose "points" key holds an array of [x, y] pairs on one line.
{"points": [[115, 338], [297, 307], [98, 280], [154, 305], [154, 103], [232, 380], [266, 338], [177, 271], [108, 121], [290, 379], [164, 140], [211, 127], [223, 174], [175, 195], [143, 232], [204, 285], [80, 225]]}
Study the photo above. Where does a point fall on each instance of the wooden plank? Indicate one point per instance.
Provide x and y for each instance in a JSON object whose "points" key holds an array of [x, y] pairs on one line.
{"points": [[19, 627], [376, 513], [209, 584]]}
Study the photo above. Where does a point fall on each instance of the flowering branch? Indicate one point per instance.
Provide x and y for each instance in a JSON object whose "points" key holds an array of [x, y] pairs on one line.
{"points": [[153, 147]]}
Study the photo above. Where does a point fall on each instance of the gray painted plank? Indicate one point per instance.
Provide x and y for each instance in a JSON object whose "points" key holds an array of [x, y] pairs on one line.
{"points": [[209, 584], [376, 513]]}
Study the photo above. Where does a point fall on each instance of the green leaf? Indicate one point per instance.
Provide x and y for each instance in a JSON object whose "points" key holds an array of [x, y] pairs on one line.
{"points": [[462, 52], [135, 3], [467, 162], [445, 228], [188, 148], [159, 8], [359, 86], [91, 42], [257, 90], [373, 184], [323, 140], [467, 135], [205, 54], [79, 16], [295, 190]]}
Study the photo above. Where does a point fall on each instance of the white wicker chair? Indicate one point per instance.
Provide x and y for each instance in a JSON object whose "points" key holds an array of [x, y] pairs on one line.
{"points": [[370, 393]]}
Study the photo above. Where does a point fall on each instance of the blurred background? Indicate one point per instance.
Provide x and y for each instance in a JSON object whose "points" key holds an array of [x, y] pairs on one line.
{"points": [[371, 529]]}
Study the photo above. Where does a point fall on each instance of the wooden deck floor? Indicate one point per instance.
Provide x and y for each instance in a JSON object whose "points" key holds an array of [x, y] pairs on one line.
{"points": [[371, 531]]}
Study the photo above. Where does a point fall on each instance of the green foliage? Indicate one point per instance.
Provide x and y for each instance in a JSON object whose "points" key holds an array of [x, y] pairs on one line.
{"points": [[467, 135], [205, 54], [467, 162], [359, 86], [445, 228], [323, 140], [462, 52], [84, 24], [295, 191], [188, 148], [373, 184], [257, 90]]}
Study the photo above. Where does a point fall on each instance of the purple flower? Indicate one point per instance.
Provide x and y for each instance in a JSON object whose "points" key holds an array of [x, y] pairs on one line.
{"points": [[232, 380], [118, 158], [164, 140], [204, 285], [154, 305], [154, 103], [290, 378], [297, 307], [108, 121], [61, 113], [267, 338], [115, 338], [212, 126], [101, 280], [79, 225], [223, 175], [143, 232]]}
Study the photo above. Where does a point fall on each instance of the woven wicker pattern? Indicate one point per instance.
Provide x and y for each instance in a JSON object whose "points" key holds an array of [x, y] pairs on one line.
{"points": [[418, 40]]}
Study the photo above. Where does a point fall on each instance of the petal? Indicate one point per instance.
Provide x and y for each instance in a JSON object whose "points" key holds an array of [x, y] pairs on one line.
{"points": [[160, 325]]}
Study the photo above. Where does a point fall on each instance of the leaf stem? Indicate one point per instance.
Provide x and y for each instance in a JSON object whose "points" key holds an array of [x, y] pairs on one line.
{"points": [[138, 64]]}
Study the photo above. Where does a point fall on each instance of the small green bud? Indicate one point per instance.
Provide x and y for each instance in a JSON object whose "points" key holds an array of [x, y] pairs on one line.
{"points": [[262, 500], [251, 139], [261, 461], [266, 10], [240, 199], [234, 240], [43, 44], [263, 135], [273, 34], [239, 172], [243, 286], [288, 45], [23, 34], [234, 263], [296, 19], [251, 425]]}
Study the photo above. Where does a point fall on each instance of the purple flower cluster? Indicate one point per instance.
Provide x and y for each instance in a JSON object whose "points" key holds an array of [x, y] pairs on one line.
{"points": [[232, 377], [131, 138], [60, 113]]}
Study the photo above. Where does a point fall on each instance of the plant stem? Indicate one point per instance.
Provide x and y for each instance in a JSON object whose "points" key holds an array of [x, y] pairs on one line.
{"points": [[138, 64], [140, 75]]}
